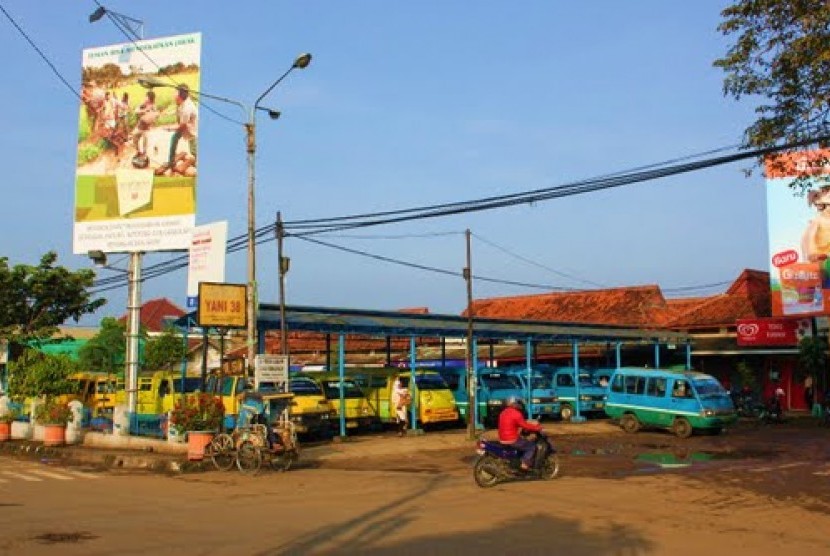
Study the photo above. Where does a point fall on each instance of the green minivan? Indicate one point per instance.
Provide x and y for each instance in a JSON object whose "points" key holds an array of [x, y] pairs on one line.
{"points": [[680, 401]]}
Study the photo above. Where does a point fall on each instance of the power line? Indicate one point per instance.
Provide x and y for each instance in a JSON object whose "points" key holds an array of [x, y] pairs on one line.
{"points": [[543, 194], [296, 223], [40, 52], [535, 263]]}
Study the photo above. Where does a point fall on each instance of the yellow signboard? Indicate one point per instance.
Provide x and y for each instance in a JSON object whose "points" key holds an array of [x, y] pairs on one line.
{"points": [[222, 305]]}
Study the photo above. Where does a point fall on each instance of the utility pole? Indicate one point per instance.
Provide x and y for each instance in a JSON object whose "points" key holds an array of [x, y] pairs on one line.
{"points": [[472, 407], [133, 332], [284, 263]]}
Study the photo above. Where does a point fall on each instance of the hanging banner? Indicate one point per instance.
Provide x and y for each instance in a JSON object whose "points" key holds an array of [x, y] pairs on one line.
{"points": [[208, 244], [799, 231], [135, 183]]}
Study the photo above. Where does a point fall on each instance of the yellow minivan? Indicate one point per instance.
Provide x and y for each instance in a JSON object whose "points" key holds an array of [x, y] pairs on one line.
{"points": [[434, 401], [358, 411]]}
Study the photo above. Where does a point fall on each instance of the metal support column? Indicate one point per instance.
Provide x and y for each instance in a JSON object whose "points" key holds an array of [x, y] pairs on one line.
{"points": [[688, 355], [528, 361], [577, 418], [341, 375], [656, 354], [618, 350], [133, 332], [413, 393]]}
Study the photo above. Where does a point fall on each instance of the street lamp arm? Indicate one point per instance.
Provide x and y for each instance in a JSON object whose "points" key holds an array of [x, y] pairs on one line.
{"points": [[271, 88]]}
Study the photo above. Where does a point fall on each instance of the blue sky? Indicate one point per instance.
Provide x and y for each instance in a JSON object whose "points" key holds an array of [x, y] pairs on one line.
{"points": [[414, 103]]}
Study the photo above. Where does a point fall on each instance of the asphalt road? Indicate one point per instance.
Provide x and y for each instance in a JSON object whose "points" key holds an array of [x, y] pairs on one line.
{"points": [[754, 491]]}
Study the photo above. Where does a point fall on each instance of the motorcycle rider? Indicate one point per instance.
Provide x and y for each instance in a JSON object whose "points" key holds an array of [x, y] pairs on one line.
{"points": [[511, 425]]}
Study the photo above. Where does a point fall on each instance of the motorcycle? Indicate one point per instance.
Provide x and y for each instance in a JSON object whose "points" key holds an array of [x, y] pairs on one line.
{"points": [[499, 462], [772, 412]]}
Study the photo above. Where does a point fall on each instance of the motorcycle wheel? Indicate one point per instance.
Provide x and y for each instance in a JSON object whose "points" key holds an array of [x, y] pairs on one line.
{"points": [[483, 472], [550, 469]]}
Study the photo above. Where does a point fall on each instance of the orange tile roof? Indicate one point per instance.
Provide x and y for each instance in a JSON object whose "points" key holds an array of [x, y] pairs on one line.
{"points": [[155, 311], [637, 306]]}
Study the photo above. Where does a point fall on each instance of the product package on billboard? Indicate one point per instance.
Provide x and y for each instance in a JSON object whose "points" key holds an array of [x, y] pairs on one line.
{"points": [[799, 231], [135, 180]]}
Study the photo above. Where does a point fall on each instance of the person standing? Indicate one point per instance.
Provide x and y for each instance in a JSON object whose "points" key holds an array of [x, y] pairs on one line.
{"points": [[186, 118], [147, 114], [808, 392], [401, 400]]}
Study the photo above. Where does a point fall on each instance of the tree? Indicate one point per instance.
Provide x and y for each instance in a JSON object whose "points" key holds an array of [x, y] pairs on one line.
{"points": [[34, 300], [35, 374], [812, 359], [782, 54], [165, 351], [105, 351]]}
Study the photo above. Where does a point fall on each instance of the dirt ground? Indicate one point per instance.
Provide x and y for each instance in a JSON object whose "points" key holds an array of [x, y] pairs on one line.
{"points": [[753, 491]]}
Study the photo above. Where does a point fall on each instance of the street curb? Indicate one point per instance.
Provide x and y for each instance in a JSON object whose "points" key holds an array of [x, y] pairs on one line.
{"points": [[100, 459]]}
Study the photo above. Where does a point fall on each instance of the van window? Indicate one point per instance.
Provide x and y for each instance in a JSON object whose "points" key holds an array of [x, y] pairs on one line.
{"points": [[708, 387], [305, 386], [564, 380], [682, 389], [453, 380], [350, 389], [656, 387], [617, 384], [145, 385], [430, 382], [500, 382], [635, 384]]}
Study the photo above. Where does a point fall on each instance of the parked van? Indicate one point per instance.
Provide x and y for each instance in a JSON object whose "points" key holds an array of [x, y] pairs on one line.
{"points": [[591, 394], [359, 412], [681, 401], [434, 402], [543, 401], [310, 409], [493, 390]]}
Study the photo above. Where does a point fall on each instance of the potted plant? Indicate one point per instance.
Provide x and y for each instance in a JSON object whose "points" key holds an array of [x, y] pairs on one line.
{"points": [[6, 420], [54, 416], [199, 416]]}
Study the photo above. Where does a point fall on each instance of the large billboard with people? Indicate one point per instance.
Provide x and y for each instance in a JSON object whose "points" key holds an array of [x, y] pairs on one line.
{"points": [[135, 183], [798, 214]]}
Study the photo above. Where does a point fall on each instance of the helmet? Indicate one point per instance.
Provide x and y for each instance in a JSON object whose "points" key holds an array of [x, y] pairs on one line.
{"points": [[516, 400]]}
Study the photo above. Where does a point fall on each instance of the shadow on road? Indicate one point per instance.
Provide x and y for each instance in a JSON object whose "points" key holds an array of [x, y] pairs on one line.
{"points": [[367, 533]]}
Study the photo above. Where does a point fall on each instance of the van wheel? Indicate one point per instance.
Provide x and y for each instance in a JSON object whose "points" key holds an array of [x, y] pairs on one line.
{"points": [[567, 413], [682, 428], [629, 423]]}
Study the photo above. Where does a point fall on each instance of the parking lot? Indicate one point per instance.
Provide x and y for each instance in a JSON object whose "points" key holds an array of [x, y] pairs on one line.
{"points": [[755, 490]]}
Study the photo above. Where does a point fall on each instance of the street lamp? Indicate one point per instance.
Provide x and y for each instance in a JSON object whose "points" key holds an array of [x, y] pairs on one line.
{"points": [[135, 26], [301, 62]]}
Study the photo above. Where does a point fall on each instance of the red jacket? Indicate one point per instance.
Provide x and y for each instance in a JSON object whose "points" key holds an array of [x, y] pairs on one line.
{"points": [[511, 424]]}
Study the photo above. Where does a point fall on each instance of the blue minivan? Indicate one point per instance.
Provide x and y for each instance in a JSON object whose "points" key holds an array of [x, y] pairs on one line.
{"points": [[591, 395], [681, 401], [539, 394], [495, 387]]}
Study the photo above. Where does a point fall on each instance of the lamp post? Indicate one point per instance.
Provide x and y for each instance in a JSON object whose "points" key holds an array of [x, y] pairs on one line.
{"points": [[301, 62]]}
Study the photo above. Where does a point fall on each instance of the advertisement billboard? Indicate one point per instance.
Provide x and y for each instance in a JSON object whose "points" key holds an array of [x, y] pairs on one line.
{"points": [[135, 179], [798, 221]]}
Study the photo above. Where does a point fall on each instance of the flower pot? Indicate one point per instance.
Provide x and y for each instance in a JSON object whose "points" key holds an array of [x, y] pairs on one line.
{"points": [[5, 431], [197, 441], [54, 435], [21, 430]]}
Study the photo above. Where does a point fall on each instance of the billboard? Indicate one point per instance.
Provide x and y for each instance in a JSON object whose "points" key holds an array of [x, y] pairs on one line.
{"points": [[135, 178], [799, 231]]}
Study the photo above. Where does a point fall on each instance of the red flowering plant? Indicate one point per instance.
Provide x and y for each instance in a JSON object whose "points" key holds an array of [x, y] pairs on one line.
{"points": [[203, 412], [53, 412]]}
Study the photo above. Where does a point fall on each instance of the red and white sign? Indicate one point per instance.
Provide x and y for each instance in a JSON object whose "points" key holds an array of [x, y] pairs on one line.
{"points": [[773, 332]]}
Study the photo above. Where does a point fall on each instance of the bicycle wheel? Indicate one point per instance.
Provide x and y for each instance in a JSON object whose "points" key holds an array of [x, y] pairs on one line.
{"points": [[222, 452], [248, 458]]}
